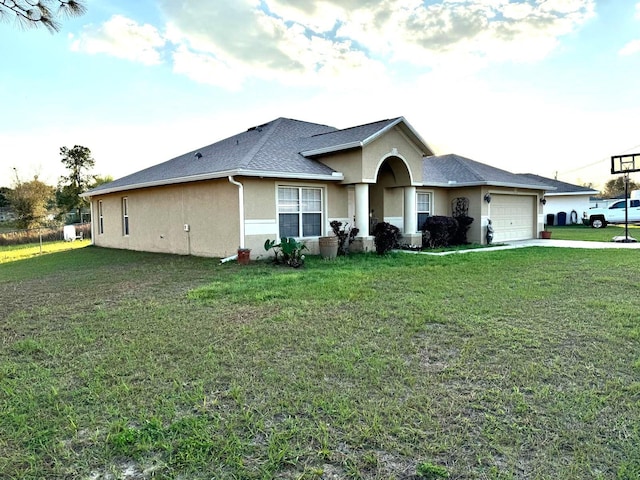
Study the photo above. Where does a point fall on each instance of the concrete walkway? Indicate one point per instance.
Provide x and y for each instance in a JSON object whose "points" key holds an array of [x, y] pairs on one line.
{"points": [[537, 243]]}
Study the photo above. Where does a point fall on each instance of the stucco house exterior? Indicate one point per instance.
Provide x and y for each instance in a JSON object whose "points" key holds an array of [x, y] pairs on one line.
{"points": [[566, 198], [290, 178]]}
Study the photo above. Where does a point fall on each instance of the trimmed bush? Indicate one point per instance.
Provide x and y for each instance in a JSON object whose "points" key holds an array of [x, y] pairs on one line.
{"points": [[386, 237], [441, 231], [460, 236]]}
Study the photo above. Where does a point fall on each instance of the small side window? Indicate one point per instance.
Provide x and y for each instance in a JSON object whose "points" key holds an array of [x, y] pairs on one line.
{"points": [[125, 216], [100, 218]]}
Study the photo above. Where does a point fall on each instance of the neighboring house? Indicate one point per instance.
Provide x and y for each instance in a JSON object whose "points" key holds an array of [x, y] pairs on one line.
{"points": [[6, 214], [566, 198], [289, 178]]}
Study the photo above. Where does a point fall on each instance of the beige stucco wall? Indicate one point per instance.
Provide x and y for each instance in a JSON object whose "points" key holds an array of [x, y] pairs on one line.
{"points": [[441, 204], [157, 217], [361, 165], [261, 210], [393, 144], [349, 163]]}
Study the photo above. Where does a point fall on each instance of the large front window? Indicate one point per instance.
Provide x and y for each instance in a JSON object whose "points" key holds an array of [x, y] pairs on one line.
{"points": [[300, 211], [423, 207]]}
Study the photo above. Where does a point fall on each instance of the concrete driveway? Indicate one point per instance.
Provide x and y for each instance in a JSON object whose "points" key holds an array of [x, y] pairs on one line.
{"points": [[538, 243], [570, 244]]}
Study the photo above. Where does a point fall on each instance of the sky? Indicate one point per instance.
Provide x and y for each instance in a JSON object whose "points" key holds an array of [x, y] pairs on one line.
{"points": [[548, 87]]}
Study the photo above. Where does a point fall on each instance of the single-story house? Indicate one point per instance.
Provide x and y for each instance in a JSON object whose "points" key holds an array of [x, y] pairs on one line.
{"points": [[290, 178], [566, 198]]}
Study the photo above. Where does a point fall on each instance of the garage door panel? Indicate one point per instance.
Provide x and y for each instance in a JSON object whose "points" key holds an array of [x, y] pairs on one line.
{"points": [[513, 217]]}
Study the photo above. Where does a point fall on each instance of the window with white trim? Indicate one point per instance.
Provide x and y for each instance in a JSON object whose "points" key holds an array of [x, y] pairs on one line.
{"points": [[125, 216], [423, 207], [100, 218], [299, 211]]}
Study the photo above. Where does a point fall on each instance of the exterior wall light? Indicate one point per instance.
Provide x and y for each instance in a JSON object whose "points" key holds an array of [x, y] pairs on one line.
{"points": [[487, 197]]}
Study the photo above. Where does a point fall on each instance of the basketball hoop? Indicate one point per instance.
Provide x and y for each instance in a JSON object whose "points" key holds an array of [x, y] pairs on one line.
{"points": [[625, 164]]}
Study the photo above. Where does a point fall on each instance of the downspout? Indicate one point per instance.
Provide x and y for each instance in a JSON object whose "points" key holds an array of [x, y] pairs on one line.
{"points": [[240, 207]]}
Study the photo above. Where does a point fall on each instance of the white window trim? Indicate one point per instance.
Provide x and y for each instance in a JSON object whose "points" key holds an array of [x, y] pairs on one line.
{"points": [[323, 202], [418, 211]]}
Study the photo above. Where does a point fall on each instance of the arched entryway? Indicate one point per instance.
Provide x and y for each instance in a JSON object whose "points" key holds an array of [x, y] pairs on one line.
{"points": [[387, 195]]}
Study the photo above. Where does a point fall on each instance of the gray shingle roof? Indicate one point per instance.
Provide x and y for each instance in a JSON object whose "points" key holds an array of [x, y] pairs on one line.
{"points": [[280, 148], [561, 187], [357, 137], [269, 150], [453, 170]]}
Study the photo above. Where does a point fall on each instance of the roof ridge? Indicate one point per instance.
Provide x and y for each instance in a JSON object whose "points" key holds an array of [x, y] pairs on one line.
{"points": [[354, 127], [270, 126], [469, 164]]}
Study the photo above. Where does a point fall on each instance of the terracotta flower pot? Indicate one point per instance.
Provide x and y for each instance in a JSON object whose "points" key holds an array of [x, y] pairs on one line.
{"points": [[244, 255], [545, 234]]}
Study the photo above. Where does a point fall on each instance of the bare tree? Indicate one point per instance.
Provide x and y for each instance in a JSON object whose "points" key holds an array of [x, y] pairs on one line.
{"points": [[40, 13]]}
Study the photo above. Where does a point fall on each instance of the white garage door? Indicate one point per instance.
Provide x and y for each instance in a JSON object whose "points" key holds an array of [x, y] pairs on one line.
{"points": [[513, 217]]}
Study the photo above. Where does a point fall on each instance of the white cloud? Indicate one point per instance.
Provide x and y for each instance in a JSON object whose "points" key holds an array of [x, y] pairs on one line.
{"points": [[254, 44], [338, 42], [205, 68], [475, 31], [123, 38], [630, 48]]}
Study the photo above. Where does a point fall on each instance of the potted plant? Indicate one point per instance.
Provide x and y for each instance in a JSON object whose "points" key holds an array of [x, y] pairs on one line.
{"points": [[288, 251], [545, 233], [328, 247], [244, 255]]}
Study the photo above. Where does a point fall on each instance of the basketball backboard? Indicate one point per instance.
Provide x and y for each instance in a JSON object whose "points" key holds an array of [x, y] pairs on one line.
{"points": [[625, 163]]}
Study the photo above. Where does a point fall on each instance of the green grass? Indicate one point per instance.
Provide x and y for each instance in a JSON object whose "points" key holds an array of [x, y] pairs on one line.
{"points": [[12, 253], [501, 365], [582, 232]]}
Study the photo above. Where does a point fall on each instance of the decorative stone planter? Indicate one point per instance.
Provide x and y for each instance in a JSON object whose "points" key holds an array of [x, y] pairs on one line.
{"points": [[244, 255], [328, 247]]}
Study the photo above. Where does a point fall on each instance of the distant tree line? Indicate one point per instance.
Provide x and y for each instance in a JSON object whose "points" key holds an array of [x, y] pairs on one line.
{"points": [[35, 203], [614, 188]]}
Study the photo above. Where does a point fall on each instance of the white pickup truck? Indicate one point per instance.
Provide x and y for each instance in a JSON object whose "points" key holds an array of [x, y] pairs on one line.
{"points": [[600, 217]]}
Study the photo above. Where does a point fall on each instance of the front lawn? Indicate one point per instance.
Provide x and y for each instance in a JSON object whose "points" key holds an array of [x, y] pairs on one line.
{"points": [[501, 365], [582, 232], [11, 253]]}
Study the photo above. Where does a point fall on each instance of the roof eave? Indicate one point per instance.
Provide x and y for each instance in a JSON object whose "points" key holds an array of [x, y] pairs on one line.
{"points": [[427, 150], [398, 121], [588, 192], [335, 176], [484, 184], [332, 149]]}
